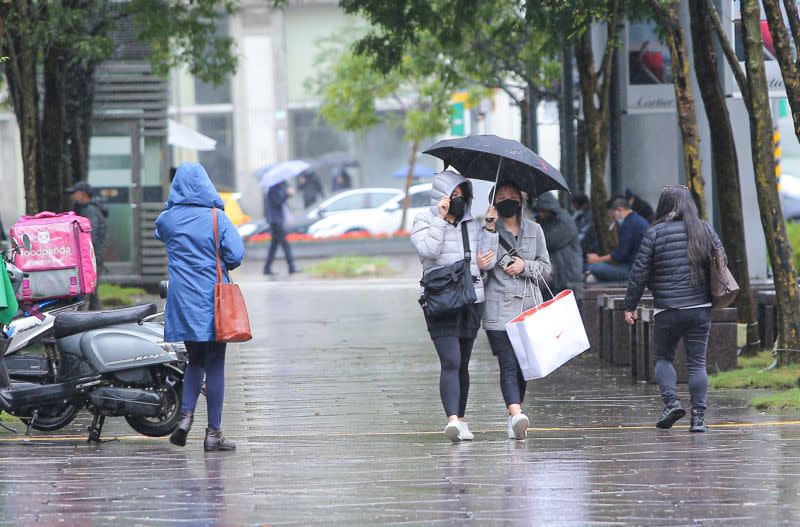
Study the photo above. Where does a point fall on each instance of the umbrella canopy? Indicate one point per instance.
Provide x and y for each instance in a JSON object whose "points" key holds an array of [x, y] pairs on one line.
{"points": [[491, 158], [184, 137], [342, 159], [280, 172], [420, 171]]}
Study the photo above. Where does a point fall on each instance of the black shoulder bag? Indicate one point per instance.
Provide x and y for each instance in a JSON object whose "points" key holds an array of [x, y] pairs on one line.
{"points": [[449, 289]]}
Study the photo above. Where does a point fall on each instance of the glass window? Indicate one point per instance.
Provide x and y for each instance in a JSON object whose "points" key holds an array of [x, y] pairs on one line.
{"points": [[207, 93], [219, 162], [376, 199], [349, 202], [420, 199]]}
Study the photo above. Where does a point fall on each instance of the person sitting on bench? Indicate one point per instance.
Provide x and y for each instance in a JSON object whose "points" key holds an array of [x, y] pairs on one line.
{"points": [[616, 267]]}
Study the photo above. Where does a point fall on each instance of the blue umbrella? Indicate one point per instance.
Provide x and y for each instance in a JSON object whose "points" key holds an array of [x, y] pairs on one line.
{"points": [[420, 171], [281, 172]]}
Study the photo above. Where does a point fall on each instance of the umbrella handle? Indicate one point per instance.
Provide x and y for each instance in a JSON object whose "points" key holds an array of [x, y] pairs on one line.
{"points": [[496, 179]]}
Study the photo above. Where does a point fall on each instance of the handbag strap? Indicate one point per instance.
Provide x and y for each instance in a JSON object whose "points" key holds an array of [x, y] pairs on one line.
{"points": [[216, 244], [465, 241]]}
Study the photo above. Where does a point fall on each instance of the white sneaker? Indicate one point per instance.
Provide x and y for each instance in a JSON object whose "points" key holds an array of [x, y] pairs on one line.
{"points": [[453, 431], [511, 434], [466, 434], [519, 427]]}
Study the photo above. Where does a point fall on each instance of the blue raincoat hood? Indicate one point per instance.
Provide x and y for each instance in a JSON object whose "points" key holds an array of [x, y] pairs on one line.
{"points": [[444, 183], [192, 186]]}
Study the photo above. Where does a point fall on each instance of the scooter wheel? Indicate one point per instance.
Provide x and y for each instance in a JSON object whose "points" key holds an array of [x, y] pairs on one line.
{"points": [[48, 423], [165, 423]]}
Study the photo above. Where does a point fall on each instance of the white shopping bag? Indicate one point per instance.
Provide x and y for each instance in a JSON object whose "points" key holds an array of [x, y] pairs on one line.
{"points": [[548, 335]]}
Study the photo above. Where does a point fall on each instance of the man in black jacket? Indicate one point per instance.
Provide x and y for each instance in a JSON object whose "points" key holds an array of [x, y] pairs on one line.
{"points": [[616, 267]]}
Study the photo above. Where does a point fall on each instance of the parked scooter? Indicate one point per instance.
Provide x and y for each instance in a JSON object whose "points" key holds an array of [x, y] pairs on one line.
{"points": [[113, 363]]}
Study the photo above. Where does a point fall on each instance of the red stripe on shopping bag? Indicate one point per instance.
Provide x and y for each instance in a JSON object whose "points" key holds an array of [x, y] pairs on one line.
{"points": [[543, 305]]}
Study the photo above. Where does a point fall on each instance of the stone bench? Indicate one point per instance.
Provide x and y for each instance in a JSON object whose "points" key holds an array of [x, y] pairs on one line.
{"points": [[590, 309], [767, 302], [721, 354], [616, 336]]}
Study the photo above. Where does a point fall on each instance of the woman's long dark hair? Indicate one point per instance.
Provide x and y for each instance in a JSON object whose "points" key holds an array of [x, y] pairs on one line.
{"points": [[677, 204]]}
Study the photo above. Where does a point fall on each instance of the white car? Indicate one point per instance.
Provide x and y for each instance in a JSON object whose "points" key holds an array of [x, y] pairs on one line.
{"points": [[384, 216], [380, 215]]}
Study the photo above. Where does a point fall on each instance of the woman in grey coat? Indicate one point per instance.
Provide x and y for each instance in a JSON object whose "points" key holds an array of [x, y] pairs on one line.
{"points": [[511, 288], [563, 244], [436, 235]]}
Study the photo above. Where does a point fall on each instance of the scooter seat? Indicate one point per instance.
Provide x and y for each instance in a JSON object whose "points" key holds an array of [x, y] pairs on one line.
{"points": [[72, 323]]}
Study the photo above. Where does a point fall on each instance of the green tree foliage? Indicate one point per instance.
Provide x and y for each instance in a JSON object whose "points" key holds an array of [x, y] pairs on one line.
{"points": [[418, 90], [62, 42]]}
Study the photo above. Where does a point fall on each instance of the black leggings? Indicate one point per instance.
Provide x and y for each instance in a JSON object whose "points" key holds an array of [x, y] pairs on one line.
{"points": [[454, 354], [512, 383]]}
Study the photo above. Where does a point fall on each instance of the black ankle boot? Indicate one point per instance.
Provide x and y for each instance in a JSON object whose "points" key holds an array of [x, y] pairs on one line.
{"points": [[216, 442], [698, 421], [672, 412], [178, 437]]}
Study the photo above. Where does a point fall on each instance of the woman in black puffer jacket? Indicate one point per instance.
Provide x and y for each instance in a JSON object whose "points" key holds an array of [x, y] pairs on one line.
{"points": [[674, 261]]}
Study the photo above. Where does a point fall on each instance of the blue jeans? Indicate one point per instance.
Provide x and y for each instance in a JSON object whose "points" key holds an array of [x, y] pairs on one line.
{"points": [[610, 272], [205, 359]]}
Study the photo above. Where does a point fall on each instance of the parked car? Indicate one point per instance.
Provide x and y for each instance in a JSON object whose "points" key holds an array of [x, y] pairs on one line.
{"points": [[340, 203], [233, 209], [384, 218], [790, 197]]}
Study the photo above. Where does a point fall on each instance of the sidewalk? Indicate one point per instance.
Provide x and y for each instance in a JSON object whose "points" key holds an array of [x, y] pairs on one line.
{"points": [[336, 412]]}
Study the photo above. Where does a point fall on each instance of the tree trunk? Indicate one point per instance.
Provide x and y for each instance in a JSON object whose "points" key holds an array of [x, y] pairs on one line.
{"points": [[669, 17], [51, 189], [725, 169], [783, 53], [21, 76], [412, 162], [780, 251], [5, 9], [580, 155], [596, 126], [524, 137], [80, 97]]}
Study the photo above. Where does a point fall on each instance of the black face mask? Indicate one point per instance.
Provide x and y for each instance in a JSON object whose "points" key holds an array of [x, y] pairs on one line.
{"points": [[457, 207], [508, 208]]}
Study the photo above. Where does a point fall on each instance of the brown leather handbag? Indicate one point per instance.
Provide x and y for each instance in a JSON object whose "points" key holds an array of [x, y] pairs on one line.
{"points": [[231, 323], [724, 288]]}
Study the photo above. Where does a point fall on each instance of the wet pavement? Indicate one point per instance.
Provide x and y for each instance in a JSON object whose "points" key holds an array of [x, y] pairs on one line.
{"points": [[335, 409]]}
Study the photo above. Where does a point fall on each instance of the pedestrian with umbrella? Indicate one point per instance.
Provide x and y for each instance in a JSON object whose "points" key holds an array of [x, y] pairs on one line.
{"points": [[451, 242], [277, 193], [522, 259], [310, 187]]}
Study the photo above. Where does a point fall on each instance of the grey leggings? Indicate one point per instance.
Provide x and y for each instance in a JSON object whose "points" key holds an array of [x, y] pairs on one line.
{"points": [[691, 325]]}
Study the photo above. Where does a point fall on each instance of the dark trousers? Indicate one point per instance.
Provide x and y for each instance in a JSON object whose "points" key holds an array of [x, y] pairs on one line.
{"points": [[693, 326], [454, 354], [206, 359], [512, 383], [278, 239]]}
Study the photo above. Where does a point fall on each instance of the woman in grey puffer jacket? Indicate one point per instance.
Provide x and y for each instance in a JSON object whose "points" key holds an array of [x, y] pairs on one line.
{"points": [[511, 288], [436, 235]]}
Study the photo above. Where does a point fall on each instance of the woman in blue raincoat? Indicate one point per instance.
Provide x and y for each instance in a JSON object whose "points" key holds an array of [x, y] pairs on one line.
{"points": [[186, 229]]}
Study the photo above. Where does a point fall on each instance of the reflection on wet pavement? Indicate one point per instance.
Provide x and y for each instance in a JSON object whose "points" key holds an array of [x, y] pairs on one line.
{"points": [[335, 410]]}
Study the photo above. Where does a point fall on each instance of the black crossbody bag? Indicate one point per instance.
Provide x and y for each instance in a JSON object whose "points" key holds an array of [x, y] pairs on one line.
{"points": [[449, 289]]}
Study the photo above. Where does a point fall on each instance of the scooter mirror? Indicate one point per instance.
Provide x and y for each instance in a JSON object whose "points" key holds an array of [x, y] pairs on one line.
{"points": [[163, 288], [26, 241]]}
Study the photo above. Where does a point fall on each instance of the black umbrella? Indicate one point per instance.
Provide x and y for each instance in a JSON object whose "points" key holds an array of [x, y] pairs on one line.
{"points": [[489, 157]]}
